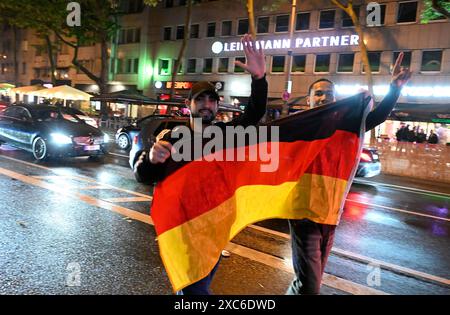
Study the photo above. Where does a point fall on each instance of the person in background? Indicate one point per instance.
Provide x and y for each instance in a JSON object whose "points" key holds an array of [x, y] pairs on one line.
{"points": [[433, 138]]}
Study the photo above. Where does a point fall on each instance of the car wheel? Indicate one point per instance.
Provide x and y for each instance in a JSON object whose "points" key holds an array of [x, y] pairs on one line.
{"points": [[40, 149], [123, 141]]}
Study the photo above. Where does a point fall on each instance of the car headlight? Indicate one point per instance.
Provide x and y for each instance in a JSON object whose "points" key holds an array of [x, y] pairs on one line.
{"points": [[105, 138], [59, 138]]}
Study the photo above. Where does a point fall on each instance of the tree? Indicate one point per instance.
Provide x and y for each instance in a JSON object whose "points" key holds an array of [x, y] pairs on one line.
{"points": [[435, 9], [349, 9], [98, 25]]}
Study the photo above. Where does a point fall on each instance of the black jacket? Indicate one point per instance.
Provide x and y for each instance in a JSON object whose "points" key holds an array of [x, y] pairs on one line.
{"points": [[382, 111], [254, 111]]}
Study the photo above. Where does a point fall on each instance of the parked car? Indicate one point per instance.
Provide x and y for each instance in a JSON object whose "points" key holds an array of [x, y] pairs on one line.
{"points": [[89, 120], [125, 135], [3, 105], [50, 131], [369, 164]]}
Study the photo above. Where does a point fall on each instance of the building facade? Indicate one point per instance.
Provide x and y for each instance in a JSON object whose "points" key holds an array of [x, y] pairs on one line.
{"points": [[324, 44]]}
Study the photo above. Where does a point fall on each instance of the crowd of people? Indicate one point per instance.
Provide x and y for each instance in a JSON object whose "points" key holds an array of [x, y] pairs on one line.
{"points": [[416, 134]]}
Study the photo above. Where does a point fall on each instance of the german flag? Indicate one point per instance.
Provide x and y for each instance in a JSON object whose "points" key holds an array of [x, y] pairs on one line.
{"points": [[201, 205]]}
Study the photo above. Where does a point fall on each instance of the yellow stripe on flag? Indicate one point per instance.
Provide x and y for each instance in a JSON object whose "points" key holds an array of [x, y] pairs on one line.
{"points": [[190, 251]]}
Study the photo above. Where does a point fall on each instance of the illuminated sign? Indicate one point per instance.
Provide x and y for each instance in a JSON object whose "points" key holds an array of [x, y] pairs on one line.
{"points": [[299, 42], [411, 91], [186, 85]]}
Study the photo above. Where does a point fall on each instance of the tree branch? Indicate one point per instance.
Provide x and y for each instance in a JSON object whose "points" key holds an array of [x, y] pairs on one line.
{"points": [[437, 7], [340, 5]]}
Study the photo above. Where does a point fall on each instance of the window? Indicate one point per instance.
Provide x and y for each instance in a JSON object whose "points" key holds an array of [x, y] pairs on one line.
{"points": [[211, 30], [180, 31], [195, 30], [322, 63], [119, 66], [164, 67], [130, 36], [136, 66], [374, 61], [302, 22], [406, 62], [298, 63], [192, 65], [226, 28], [238, 69], [278, 63], [407, 12], [207, 65], [223, 65], [129, 65], [263, 25], [167, 33], [346, 19], [345, 63], [282, 23], [327, 19], [431, 60], [243, 27], [135, 6], [137, 35], [169, 4]]}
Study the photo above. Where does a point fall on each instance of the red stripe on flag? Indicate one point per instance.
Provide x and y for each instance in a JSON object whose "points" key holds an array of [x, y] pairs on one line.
{"points": [[200, 186]]}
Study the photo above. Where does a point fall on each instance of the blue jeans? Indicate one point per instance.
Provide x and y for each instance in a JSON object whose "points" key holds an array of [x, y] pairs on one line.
{"points": [[200, 287], [311, 246]]}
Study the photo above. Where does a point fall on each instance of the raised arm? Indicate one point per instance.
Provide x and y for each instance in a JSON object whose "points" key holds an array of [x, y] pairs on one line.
{"points": [[256, 66], [400, 76]]}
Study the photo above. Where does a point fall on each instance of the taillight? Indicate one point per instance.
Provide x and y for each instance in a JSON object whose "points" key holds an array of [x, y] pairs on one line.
{"points": [[135, 140], [365, 157]]}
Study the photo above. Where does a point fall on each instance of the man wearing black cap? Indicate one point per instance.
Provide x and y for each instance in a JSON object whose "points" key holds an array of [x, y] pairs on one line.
{"points": [[203, 102]]}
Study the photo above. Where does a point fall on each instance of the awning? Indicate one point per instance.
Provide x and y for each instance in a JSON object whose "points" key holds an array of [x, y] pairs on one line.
{"points": [[125, 96], [6, 86], [438, 113], [27, 89], [63, 92]]}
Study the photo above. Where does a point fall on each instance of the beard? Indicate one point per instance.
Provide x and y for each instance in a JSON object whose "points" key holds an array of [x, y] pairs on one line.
{"points": [[206, 115]]}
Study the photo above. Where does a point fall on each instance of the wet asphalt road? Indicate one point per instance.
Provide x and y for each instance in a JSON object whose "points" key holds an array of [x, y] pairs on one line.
{"points": [[81, 227]]}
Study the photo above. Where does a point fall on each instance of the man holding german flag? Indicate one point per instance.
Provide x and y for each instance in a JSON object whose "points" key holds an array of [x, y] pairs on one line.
{"points": [[156, 166], [312, 238]]}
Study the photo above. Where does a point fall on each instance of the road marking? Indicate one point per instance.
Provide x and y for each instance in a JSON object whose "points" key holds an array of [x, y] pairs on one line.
{"points": [[402, 188], [82, 178], [87, 199], [278, 263], [129, 199], [275, 262], [399, 210], [121, 155], [93, 187], [365, 259]]}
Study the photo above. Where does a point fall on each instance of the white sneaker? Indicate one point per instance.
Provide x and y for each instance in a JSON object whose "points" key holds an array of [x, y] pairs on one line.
{"points": [[226, 253]]}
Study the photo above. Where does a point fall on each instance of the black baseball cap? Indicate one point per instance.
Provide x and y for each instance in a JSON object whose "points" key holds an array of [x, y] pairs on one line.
{"points": [[203, 87]]}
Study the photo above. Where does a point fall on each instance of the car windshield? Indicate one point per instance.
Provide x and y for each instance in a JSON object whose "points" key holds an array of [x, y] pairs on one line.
{"points": [[52, 114]]}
